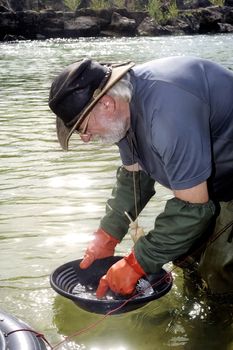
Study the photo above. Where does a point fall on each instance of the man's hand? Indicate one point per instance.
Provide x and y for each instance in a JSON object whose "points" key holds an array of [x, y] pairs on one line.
{"points": [[102, 246], [122, 277]]}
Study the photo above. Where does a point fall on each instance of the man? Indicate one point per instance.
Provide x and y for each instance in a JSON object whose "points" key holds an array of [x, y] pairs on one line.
{"points": [[172, 120]]}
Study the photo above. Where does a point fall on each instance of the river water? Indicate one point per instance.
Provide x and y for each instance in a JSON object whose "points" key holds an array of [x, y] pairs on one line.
{"points": [[51, 202]]}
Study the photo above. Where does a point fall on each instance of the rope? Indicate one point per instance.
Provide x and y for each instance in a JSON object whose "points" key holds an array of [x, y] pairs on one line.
{"points": [[134, 180], [218, 234], [136, 231], [37, 334]]}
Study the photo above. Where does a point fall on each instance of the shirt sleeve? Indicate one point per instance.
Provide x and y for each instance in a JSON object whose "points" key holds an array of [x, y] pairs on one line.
{"points": [[180, 133]]}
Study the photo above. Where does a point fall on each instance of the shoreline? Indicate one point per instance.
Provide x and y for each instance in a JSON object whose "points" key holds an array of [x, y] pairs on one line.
{"points": [[113, 22]]}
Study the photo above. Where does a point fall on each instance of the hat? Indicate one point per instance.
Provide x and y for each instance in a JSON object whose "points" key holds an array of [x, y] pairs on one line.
{"points": [[76, 90]]}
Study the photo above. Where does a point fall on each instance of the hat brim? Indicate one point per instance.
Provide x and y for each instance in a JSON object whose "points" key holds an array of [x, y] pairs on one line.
{"points": [[64, 133]]}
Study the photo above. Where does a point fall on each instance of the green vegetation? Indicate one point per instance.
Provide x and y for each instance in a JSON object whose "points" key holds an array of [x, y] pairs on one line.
{"points": [[160, 10], [162, 13], [172, 11], [154, 9], [103, 4], [99, 4], [119, 3], [218, 2], [71, 4]]}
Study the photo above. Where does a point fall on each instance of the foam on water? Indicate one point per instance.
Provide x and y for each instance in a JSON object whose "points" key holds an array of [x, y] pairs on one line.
{"points": [[87, 292], [143, 289]]}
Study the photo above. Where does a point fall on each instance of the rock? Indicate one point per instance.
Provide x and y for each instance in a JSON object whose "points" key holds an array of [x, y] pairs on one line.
{"points": [[84, 4], [10, 37], [50, 24], [51, 28], [68, 15], [225, 28], [8, 24], [228, 3], [151, 27], [192, 20], [4, 9], [88, 12], [82, 26], [27, 22], [148, 27], [57, 5], [184, 27], [40, 37], [122, 25], [48, 13], [138, 16], [227, 15], [195, 4], [112, 22], [209, 19], [16, 5], [169, 30], [204, 3]]}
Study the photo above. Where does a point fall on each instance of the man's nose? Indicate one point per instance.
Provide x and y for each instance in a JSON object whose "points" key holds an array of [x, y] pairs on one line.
{"points": [[85, 137]]}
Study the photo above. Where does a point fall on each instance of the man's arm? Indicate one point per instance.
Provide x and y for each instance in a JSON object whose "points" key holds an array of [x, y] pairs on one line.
{"points": [[122, 200], [196, 194], [114, 225], [185, 219]]}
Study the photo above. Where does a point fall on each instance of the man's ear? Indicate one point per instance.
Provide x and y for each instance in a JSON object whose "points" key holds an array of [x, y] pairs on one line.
{"points": [[107, 103]]}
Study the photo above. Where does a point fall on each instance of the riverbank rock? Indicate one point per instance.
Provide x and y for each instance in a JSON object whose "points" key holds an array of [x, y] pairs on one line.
{"points": [[82, 26], [228, 3], [112, 22], [123, 25], [3, 8]]}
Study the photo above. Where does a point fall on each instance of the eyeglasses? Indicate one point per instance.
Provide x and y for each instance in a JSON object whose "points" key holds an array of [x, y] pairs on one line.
{"points": [[83, 130]]}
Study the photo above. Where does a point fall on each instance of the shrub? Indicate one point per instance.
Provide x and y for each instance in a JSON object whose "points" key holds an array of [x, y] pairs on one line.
{"points": [[99, 4], [218, 2], [72, 4], [154, 9], [162, 13]]}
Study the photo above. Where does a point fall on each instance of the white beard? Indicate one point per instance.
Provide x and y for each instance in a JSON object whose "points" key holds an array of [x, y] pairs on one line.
{"points": [[117, 130]]}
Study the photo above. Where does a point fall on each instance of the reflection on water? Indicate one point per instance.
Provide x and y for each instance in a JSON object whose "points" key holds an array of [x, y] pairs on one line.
{"points": [[158, 325], [51, 202]]}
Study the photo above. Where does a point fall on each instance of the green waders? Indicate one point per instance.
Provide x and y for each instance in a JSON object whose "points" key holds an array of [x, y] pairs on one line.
{"points": [[216, 263]]}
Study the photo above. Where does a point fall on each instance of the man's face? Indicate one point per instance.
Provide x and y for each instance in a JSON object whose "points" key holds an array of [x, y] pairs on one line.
{"points": [[115, 131], [104, 124]]}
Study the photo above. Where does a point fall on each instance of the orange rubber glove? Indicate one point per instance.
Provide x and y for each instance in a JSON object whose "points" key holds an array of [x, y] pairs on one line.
{"points": [[102, 246], [122, 277]]}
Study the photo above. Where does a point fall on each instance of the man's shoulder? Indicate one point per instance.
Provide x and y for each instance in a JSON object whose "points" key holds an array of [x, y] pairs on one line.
{"points": [[167, 64]]}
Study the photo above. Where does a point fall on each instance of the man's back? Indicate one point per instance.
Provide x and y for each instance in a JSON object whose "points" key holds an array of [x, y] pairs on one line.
{"points": [[185, 107]]}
